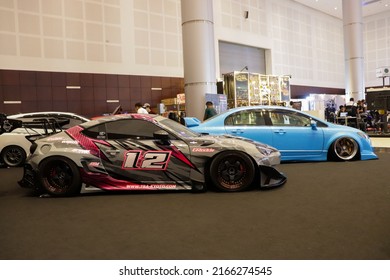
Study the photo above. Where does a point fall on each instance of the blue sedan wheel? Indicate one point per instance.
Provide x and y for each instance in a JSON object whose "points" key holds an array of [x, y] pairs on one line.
{"points": [[345, 149], [232, 171]]}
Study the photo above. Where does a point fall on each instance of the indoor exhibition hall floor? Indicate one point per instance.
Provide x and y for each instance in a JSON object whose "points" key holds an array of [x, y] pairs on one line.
{"points": [[383, 142], [326, 210]]}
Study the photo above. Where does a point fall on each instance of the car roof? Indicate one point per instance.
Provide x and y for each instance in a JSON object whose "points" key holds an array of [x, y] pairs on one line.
{"points": [[21, 115], [261, 107], [111, 118]]}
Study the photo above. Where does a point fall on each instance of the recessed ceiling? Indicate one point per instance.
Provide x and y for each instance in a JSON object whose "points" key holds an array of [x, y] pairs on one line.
{"points": [[334, 7]]}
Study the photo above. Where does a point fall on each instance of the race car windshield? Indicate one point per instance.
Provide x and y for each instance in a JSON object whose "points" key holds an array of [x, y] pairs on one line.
{"points": [[178, 128]]}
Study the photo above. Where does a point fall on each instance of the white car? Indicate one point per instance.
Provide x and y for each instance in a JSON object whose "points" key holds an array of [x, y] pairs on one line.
{"points": [[16, 137], [74, 119]]}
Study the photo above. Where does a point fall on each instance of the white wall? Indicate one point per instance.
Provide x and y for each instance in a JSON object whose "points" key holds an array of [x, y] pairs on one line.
{"points": [[376, 47], [143, 37], [303, 42], [140, 37]]}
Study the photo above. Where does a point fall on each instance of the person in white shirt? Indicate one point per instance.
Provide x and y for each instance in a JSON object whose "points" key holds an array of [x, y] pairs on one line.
{"points": [[147, 107], [351, 102], [139, 109]]}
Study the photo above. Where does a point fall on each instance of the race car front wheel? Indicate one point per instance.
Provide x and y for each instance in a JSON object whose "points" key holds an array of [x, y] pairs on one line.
{"points": [[60, 177], [232, 171], [13, 156]]}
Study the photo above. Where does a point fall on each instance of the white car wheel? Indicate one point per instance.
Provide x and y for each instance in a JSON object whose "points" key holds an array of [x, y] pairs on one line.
{"points": [[13, 156]]}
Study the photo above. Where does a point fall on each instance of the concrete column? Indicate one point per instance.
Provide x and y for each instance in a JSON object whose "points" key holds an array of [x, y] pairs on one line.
{"points": [[198, 54], [353, 49]]}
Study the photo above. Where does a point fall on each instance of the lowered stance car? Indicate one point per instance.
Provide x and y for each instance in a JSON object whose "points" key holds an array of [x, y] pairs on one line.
{"points": [[297, 135], [74, 119], [146, 152]]}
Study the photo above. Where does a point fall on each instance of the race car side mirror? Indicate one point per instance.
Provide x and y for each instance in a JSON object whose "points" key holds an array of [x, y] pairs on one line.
{"points": [[163, 136]]}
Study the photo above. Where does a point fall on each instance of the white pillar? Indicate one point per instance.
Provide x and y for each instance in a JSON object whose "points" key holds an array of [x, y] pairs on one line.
{"points": [[198, 54], [353, 49]]}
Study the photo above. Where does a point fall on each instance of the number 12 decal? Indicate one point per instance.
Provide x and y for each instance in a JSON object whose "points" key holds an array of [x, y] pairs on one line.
{"points": [[150, 160]]}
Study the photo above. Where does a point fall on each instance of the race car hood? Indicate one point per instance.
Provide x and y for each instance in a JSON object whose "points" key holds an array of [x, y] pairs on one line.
{"points": [[262, 153]]}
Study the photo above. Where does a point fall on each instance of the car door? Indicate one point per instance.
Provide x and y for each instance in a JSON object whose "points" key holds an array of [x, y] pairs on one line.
{"points": [[135, 156], [252, 123], [293, 135]]}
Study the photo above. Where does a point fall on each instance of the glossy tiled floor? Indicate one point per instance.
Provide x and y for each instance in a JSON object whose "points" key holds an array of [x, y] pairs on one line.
{"points": [[380, 142]]}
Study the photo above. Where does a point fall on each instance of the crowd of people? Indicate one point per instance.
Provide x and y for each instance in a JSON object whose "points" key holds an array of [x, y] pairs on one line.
{"points": [[146, 109], [356, 114]]}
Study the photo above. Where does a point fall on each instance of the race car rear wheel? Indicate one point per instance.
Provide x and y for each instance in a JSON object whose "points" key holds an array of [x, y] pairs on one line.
{"points": [[232, 171], [60, 177], [344, 149], [13, 156]]}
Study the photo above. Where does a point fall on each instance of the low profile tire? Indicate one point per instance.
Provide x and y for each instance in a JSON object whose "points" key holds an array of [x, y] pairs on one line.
{"points": [[13, 156], [60, 177], [232, 171], [344, 149]]}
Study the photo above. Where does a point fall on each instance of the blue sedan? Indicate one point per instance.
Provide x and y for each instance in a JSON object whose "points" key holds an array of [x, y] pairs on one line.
{"points": [[297, 135]]}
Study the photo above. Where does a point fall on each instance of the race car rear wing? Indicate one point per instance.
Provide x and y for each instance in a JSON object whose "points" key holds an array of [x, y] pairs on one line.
{"points": [[7, 125], [41, 126]]}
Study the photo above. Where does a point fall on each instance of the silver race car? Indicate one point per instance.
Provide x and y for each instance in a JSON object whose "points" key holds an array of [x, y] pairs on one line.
{"points": [[146, 152]]}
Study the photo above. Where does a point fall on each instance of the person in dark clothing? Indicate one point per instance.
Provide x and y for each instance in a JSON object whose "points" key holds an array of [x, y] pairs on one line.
{"points": [[173, 116], [209, 111], [182, 118]]}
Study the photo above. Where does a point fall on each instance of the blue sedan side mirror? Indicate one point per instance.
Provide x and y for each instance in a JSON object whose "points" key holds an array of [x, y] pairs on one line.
{"points": [[313, 124], [192, 121]]}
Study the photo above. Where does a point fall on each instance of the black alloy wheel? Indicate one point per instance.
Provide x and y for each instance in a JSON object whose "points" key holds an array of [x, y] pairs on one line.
{"points": [[13, 156], [232, 171], [60, 177]]}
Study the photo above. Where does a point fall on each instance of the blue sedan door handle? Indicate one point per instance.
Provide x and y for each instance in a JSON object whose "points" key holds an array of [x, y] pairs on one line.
{"points": [[280, 131], [237, 131]]}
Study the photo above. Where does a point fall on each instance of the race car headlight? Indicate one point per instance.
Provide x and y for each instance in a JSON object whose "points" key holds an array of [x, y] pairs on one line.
{"points": [[265, 150]]}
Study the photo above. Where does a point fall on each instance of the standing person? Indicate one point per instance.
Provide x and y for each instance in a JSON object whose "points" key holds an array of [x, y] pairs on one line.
{"points": [[209, 111], [139, 109], [173, 116], [351, 102], [360, 107], [182, 118]]}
